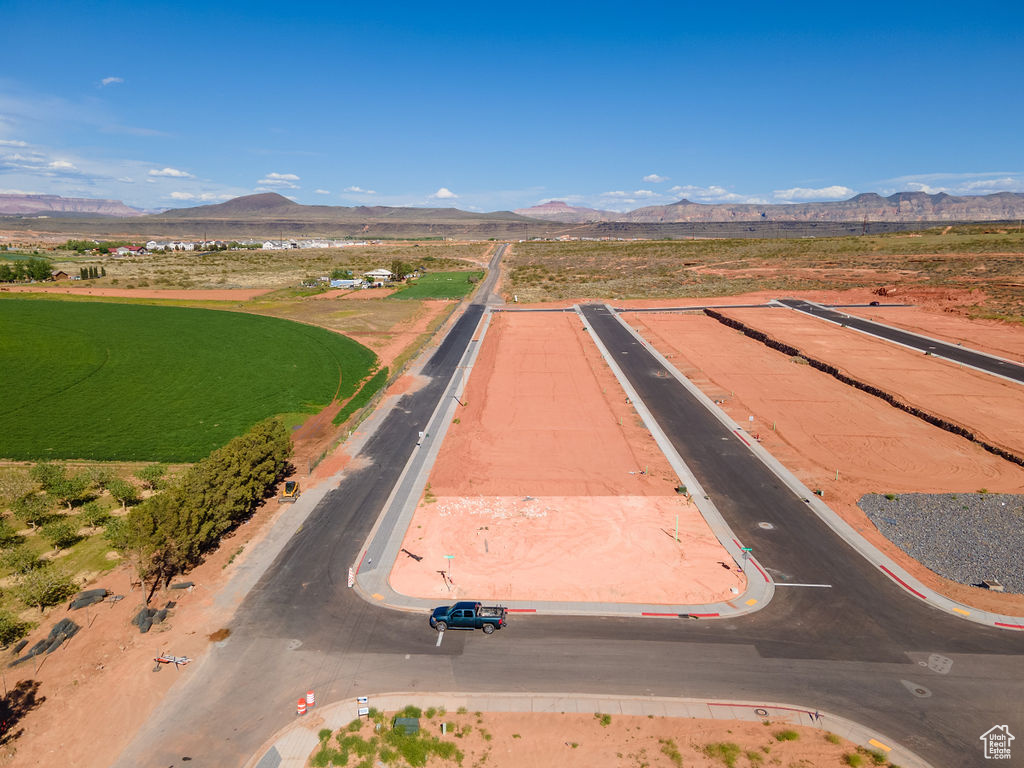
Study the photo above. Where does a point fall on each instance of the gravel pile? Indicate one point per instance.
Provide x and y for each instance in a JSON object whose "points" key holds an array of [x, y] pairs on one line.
{"points": [[966, 537]]}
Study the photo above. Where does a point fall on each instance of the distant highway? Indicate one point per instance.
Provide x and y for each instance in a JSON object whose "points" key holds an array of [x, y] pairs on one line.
{"points": [[956, 353]]}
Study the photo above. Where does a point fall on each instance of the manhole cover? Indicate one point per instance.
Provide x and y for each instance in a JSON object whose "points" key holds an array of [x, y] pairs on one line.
{"points": [[918, 690], [766, 526]]}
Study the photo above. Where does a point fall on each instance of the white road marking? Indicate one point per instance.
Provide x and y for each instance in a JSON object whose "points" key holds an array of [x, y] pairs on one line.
{"points": [[440, 637], [788, 584]]}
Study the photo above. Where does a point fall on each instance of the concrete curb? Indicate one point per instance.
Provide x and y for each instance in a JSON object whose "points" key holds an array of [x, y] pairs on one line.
{"points": [[841, 528], [760, 587], [933, 353], [292, 746]]}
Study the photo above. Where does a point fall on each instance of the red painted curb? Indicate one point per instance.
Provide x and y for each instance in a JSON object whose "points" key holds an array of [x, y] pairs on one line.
{"points": [[902, 582]]}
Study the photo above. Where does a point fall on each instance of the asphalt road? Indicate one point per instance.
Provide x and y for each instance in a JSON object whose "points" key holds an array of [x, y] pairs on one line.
{"points": [[1005, 368], [855, 649]]}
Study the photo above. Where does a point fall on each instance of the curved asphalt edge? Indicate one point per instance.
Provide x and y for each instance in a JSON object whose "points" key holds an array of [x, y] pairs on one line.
{"points": [[932, 352], [839, 526], [376, 558], [292, 746]]}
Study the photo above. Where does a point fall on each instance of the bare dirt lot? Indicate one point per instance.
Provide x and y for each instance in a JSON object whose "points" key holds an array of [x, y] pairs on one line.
{"points": [[549, 486], [821, 425], [987, 405], [515, 740]]}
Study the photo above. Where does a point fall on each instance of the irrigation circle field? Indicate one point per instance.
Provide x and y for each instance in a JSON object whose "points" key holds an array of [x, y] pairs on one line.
{"points": [[112, 381]]}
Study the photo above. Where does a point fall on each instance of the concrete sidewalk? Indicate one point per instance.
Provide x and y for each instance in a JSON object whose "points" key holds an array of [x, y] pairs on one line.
{"points": [[292, 746]]}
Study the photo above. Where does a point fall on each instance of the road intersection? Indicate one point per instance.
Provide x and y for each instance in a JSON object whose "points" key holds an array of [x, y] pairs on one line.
{"points": [[862, 648]]}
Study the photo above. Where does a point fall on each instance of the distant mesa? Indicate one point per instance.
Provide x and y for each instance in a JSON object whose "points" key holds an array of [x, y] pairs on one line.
{"points": [[557, 210], [264, 203], [26, 205]]}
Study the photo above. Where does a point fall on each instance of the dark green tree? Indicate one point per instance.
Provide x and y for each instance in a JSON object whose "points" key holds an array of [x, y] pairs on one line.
{"points": [[33, 510], [38, 269], [61, 533], [44, 586], [151, 475], [72, 490], [46, 473], [21, 559], [123, 491]]}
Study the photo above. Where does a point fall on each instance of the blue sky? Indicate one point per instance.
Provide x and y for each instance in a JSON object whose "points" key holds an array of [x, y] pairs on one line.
{"points": [[489, 106]]}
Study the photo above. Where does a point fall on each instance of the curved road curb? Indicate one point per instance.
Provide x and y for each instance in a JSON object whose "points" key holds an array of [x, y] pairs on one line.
{"points": [[292, 746]]}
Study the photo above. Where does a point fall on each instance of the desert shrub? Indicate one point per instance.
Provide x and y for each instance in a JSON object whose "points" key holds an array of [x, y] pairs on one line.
{"points": [[787, 736], [726, 751]]}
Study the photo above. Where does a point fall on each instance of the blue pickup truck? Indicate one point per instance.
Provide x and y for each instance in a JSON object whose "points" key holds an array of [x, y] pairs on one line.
{"points": [[468, 615]]}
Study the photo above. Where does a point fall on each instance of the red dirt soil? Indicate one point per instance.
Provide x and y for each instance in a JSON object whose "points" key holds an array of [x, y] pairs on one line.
{"points": [[990, 407], [570, 740], [573, 505], [822, 425], [230, 294]]}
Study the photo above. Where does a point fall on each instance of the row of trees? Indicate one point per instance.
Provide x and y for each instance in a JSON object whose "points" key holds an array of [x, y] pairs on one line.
{"points": [[24, 270], [90, 273], [170, 532]]}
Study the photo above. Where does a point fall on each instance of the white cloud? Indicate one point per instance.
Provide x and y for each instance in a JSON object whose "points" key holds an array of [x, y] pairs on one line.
{"points": [[360, 191], [172, 172], [322, 191], [917, 186], [980, 183], [12, 143], [279, 180], [111, 81], [126, 180], [835, 192], [635, 194], [61, 165], [200, 196], [444, 194], [713, 194], [654, 178]]}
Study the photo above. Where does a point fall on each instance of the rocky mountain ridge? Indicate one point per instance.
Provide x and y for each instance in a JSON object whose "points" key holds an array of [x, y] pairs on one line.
{"points": [[43, 204], [898, 207]]}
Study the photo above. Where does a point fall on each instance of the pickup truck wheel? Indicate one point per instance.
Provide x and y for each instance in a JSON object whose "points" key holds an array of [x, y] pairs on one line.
{"points": [[441, 626], [488, 629]]}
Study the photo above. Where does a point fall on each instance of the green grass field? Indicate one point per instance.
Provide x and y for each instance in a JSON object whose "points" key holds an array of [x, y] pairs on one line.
{"points": [[131, 382], [440, 285]]}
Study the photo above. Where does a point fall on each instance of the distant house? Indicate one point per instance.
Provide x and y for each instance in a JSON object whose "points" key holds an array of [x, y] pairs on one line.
{"points": [[342, 283], [378, 275], [120, 251], [58, 274]]}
